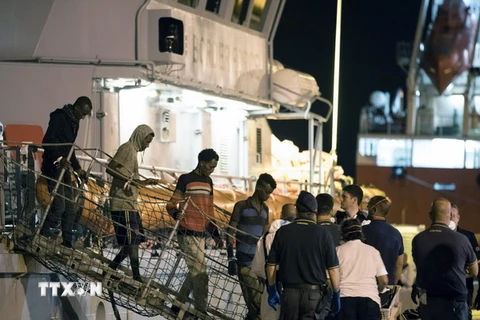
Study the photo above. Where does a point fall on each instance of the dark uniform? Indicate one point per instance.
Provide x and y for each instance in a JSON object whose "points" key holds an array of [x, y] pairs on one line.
{"points": [[441, 256], [334, 230], [473, 241], [388, 241], [304, 251], [340, 216]]}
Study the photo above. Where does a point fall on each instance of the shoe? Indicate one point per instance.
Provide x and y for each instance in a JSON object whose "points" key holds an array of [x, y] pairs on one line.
{"points": [[175, 309], [138, 278], [112, 277], [187, 315], [67, 244]]}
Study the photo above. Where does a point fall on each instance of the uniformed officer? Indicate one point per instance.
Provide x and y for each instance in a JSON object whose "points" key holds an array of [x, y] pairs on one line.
{"points": [[325, 208], [304, 251], [442, 256], [473, 241]]}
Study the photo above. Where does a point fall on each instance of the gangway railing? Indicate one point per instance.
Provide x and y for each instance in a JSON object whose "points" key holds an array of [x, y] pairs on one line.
{"points": [[158, 293]]}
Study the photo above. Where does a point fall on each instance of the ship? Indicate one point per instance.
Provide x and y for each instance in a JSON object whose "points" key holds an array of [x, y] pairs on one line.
{"points": [[424, 143], [201, 74]]}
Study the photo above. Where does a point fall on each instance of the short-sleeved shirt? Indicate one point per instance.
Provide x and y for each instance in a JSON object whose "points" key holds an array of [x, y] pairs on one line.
{"points": [[200, 191], [334, 230], [441, 256], [125, 199], [360, 265], [251, 224], [388, 241], [304, 252], [472, 239]]}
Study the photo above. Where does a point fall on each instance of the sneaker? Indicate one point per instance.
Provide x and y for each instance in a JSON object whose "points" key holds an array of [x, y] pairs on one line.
{"points": [[138, 278], [67, 244]]}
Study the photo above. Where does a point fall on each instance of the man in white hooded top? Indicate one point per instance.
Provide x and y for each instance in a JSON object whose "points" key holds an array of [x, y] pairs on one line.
{"points": [[126, 184], [289, 213]]}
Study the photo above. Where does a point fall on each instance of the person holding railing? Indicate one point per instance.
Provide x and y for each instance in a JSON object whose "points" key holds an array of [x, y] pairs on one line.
{"points": [[250, 217], [126, 184], [193, 226], [62, 130]]}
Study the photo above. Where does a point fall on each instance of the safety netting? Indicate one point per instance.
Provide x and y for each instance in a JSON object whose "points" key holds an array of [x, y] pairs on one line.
{"points": [[88, 258]]}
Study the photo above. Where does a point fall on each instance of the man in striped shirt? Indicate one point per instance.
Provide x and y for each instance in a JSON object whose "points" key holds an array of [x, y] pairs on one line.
{"points": [[250, 218], [191, 234]]}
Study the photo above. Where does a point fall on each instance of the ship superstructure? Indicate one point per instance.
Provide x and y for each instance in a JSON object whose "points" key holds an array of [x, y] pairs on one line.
{"points": [[200, 73], [431, 147]]}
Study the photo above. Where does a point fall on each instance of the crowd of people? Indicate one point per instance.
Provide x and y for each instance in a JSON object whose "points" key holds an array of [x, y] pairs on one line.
{"points": [[312, 263]]}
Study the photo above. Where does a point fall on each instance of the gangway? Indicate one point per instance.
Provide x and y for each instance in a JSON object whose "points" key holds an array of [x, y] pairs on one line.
{"points": [[162, 276]]}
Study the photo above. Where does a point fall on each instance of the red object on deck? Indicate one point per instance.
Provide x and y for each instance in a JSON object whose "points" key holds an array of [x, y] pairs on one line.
{"points": [[451, 44]]}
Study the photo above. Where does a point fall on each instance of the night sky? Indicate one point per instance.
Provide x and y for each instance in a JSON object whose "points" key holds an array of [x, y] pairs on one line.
{"points": [[305, 41]]}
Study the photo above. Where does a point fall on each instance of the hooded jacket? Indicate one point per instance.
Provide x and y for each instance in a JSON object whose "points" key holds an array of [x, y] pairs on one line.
{"points": [[62, 128], [259, 261], [125, 198]]}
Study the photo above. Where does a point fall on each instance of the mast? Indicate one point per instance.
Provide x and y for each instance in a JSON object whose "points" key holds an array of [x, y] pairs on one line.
{"points": [[336, 81]]}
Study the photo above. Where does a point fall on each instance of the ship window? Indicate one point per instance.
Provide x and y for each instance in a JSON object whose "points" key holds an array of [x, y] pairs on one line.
{"points": [[170, 35], [240, 11], [258, 13], [472, 154], [394, 152], [259, 145], [224, 156], [367, 147], [213, 6], [438, 153], [190, 3]]}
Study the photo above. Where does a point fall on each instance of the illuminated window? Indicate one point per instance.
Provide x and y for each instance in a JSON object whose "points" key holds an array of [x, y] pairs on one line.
{"points": [[438, 153], [367, 147], [240, 11], [190, 3], [472, 154], [257, 14], [394, 152]]}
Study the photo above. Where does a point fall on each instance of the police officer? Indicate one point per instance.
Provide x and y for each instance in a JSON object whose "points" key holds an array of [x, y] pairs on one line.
{"points": [[304, 252], [325, 208], [442, 256], [473, 241]]}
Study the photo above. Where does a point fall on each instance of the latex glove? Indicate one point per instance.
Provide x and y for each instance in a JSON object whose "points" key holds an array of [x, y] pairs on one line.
{"points": [[273, 296], [414, 294], [62, 162], [476, 303], [233, 268], [82, 174], [335, 305]]}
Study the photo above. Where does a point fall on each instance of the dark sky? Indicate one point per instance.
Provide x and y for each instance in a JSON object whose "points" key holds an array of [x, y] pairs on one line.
{"points": [[305, 41]]}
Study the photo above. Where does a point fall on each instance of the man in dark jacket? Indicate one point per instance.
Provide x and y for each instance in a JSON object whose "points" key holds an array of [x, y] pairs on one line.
{"points": [[351, 199], [63, 129]]}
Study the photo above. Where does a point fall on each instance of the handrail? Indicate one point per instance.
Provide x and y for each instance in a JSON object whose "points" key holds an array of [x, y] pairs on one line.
{"points": [[155, 169]]}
